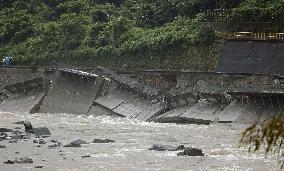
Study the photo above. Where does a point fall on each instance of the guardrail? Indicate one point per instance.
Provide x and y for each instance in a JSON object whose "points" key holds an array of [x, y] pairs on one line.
{"points": [[224, 15], [217, 15], [255, 36]]}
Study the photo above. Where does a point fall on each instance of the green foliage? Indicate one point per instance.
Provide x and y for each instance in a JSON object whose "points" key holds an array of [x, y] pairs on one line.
{"points": [[95, 31], [258, 10], [270, 135], [180, 33]]}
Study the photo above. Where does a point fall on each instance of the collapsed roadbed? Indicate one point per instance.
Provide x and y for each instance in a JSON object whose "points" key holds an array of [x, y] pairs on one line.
{"points": [[162, 96]]}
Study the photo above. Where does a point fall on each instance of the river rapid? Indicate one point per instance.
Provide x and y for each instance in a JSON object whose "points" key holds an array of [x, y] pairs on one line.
{"points": [[219, 143]]}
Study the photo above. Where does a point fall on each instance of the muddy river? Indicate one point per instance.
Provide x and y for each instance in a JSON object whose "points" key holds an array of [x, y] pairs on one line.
{"points": [[219, 143]]}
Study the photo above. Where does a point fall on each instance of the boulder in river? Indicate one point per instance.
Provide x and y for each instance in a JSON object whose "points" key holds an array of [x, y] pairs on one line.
{"points": [[19, 161], [41, 131], [76, 143], [188, 151], [6, 130], [41, 141], [28, 127], [55, 141], [160, 147], [54, 145], [20, 122], [2, 146], [17, 132], [13, 141], [103, 141], [3, 136], [9, 162], [23, 160], [86, 155]]}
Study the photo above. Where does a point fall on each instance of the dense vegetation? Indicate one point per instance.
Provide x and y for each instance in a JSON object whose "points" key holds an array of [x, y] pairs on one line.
{"points": [[259, 10], [145, 33]]}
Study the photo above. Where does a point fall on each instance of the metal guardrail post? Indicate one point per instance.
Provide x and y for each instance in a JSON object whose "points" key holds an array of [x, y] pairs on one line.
{"points": [[255, 36]]}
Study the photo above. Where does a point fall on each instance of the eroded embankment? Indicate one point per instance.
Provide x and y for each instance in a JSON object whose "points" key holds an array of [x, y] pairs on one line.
{"points": [[209, 97], [162, 97], [22, 89]]}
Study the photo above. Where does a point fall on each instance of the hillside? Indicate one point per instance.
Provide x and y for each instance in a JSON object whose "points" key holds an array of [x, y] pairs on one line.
{"points": [[128, 33]]}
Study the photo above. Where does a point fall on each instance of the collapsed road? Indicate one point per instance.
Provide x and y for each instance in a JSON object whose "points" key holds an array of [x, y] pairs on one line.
{"points": [[120, 110], [179, 97]]}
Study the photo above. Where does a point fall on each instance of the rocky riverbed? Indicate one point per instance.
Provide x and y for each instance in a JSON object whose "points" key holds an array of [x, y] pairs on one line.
{"points": [[107, 143]]}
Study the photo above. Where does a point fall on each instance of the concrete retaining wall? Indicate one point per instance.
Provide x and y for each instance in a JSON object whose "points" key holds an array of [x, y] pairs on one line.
{"points": [[247, 56]]}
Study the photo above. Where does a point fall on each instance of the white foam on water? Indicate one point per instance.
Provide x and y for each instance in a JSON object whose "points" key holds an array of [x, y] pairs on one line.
{"points": [[133, 138]]}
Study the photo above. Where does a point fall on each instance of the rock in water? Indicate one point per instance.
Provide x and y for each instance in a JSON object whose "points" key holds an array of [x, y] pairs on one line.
{"points": [[188, 151], [160, 147], [41, 131], [54, 145], [24, 160], [9, 162], [13, 141], [41, 141], [3, 136], [20, 122], [86, 155], [6, 130], [103, 141], [28, 127], [55, 141], [76, 143], [17, 132]]}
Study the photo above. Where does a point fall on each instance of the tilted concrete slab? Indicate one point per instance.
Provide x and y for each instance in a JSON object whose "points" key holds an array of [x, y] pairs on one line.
{"points": [[251, 109], [22, 101], [132, 84], [270, 112], [24, 94], [131, 105], [173, 115], [230, 113], [70, 93], [112, 99], [251, 113], [99, 110], [202, 112]]}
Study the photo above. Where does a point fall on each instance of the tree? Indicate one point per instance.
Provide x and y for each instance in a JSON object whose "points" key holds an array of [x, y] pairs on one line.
{"points": [[269, 135]]}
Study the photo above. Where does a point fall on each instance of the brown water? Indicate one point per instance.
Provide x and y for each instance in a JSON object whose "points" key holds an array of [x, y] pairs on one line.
{"points": [[130, 151]]}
